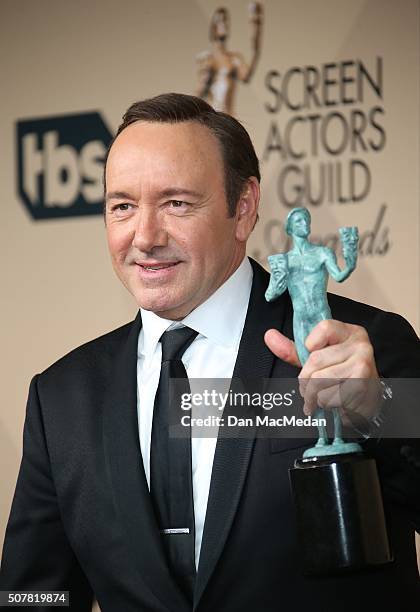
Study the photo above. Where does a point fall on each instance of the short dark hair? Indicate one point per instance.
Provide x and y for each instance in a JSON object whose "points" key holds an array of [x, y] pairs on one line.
{"points": [[239, 158]]}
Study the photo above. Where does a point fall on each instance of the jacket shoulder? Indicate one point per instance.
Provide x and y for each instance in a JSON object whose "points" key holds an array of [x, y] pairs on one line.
{"points": [[359, 313], [95, 354], [352, 311]]}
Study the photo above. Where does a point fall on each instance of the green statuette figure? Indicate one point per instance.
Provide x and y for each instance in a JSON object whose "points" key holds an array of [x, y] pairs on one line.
{"points": [[304, 271]]}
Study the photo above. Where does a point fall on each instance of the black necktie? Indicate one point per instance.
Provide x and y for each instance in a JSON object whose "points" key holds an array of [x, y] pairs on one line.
{"points": [[170, 463]]}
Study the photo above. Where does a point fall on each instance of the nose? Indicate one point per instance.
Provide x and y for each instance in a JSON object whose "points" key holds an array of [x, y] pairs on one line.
{"points": [[149, 232]]}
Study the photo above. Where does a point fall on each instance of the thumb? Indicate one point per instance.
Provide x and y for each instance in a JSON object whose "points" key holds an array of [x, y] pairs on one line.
{"points": [[282, 347]]}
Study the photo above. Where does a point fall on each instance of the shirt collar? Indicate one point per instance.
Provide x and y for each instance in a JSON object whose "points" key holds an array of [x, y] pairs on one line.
{"points": [[220, 318]]}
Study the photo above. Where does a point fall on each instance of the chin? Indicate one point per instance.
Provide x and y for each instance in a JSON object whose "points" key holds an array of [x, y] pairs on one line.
{"points": [[160, 307]]}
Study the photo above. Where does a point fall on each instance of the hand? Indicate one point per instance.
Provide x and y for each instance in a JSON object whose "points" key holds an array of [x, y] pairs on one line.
{"points": [[340, 371], [351, 260]]}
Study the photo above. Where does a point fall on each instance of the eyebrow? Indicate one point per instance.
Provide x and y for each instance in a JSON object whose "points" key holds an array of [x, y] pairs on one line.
{"points": [[165, 193], [117, 195], [174, 191]]}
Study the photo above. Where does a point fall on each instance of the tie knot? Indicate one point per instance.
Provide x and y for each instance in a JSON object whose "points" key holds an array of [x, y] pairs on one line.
{"points": [[175, 342]]}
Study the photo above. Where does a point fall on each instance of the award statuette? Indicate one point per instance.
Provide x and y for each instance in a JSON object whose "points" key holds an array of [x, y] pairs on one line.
{"points": [[335, 487]]}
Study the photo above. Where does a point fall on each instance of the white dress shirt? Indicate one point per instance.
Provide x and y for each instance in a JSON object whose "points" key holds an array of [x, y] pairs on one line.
{"points": [[219, 322]]}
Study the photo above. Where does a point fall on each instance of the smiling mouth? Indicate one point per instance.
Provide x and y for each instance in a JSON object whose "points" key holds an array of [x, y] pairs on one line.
{"points": [[156, 267]]}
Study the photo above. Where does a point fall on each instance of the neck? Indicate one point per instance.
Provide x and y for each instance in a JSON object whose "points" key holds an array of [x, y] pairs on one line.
{"points": [[300, 243]]}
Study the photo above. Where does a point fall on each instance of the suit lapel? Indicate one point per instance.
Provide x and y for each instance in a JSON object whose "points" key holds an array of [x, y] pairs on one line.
{"points": [[131, 494], [232, 456]]}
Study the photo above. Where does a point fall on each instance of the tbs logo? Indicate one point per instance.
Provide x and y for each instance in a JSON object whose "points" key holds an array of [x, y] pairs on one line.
{"points": [[60, 164]]}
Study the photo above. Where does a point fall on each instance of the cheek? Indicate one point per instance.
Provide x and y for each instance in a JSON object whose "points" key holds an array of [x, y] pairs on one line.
{"points": [[118, 243], [200, 250]]}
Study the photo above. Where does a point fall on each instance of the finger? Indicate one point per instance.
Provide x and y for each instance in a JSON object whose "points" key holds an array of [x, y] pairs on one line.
{"points": [[362, 396], [352, 393], [282, 347], [340, 370], [319, 391], [327, 357], [329, 398], [330, 394], [326, 333]]}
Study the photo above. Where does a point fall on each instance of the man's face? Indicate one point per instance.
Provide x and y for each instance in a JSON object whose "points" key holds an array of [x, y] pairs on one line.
{"points": [[300, 224], [171, 241]]}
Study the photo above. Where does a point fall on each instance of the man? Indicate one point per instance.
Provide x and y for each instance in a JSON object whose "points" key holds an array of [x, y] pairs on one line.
{"points": [[182, 194]]}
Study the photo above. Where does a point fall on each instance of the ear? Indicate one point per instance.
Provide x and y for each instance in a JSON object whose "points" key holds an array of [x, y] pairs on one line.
{"points": [[247, 209]]}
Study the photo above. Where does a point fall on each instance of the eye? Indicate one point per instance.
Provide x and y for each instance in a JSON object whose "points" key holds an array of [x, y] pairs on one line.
{"points": [[178, 206], [121, 207], [121, 210]]}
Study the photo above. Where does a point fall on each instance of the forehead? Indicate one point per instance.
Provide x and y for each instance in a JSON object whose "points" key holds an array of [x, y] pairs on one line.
{"points": [[187, 149]]}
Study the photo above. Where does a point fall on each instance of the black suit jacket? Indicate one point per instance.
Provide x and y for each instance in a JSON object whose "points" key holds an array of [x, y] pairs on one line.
{"points": [[82, 520]]}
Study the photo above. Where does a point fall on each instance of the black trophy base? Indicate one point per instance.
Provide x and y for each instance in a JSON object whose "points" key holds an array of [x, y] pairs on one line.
{"points": [[340, 515]]}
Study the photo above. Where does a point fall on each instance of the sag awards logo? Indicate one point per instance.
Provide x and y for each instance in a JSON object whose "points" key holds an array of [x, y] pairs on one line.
{"points": [[60, 164], [325, 124]]}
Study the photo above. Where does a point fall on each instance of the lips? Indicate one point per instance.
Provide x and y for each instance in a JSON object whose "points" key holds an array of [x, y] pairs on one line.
{"points": [[157, 271], [154, 267]]}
